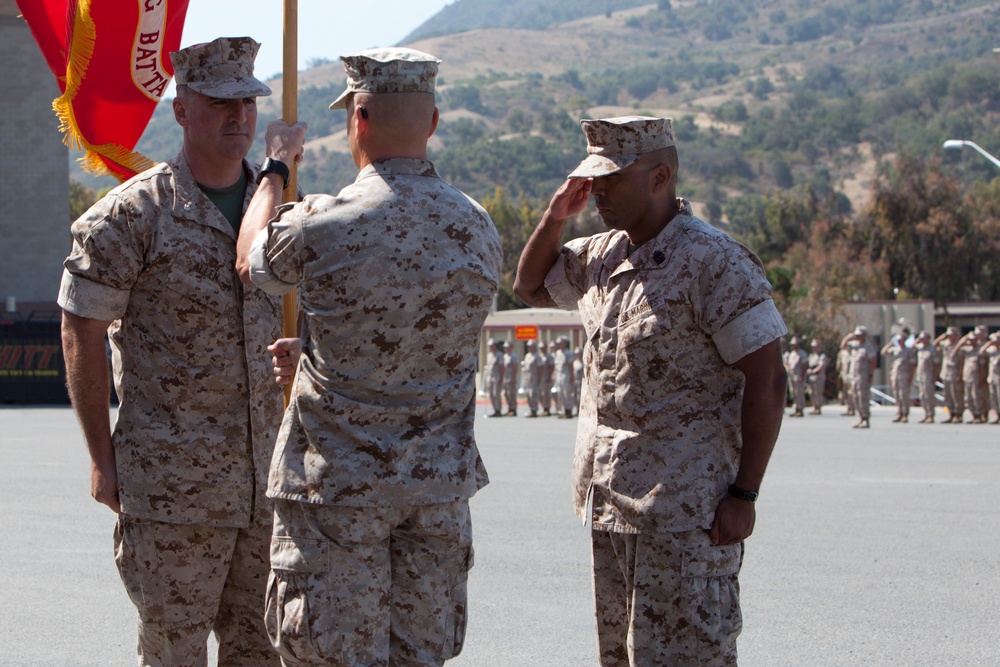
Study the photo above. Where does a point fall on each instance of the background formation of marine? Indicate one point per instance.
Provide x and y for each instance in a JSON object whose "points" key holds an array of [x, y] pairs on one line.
{"points": [[967, 367], [548, 378]]}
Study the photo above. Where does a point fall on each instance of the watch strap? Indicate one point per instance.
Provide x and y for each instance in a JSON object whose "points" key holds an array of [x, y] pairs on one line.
{"points": [[269, 166], [742, 494]]}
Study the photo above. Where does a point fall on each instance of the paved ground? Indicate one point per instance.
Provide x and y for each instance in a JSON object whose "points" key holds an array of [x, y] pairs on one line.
{"points": [[873, 548]]}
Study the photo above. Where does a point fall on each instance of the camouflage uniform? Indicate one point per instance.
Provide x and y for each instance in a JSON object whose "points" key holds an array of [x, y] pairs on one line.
{"points": [[816, 377], [902, 360], [562, 370], [951, 378], [928, 361], [796, 363], [844, 370], [546, 362], [577, 375], [494, 380], [976, 399], [511, 374], [530, 377], [396, 276], [992, 355], [658, 441], [860, 369], [198, 413]]}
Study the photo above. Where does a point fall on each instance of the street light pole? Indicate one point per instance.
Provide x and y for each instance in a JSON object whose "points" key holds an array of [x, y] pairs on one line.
{"points": [[959, 143]]}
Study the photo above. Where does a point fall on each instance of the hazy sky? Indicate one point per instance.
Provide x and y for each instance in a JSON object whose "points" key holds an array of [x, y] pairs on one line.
{"points": [[327, 28]]}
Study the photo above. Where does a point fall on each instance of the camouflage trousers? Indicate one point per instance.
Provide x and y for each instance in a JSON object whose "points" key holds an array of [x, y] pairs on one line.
{"points": [[510, 396], [666, 600], [954, 397], [187, 581], [817, 383], [901, 385], [531, 393], [368, 586], [977, 398], [797, 388], [862, 391], [927, 398], [494, 390]]}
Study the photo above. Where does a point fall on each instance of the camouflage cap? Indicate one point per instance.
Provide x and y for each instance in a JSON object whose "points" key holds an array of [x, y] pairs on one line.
{"points": [[615, 143], [222, 68], [388, 70]]}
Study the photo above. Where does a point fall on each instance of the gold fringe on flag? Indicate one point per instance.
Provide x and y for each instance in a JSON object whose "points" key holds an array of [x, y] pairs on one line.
{"points": [[80, 52]]}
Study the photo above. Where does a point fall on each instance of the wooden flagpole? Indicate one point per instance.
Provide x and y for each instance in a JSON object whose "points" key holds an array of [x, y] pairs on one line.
{"points": [[290, 113]]}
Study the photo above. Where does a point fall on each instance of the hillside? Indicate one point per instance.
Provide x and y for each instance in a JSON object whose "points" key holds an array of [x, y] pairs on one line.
{"points": [[530, 14], [792, 92]]}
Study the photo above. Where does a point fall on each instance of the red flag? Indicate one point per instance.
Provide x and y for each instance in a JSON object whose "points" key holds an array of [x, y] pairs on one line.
{"points": [[111, 59]]}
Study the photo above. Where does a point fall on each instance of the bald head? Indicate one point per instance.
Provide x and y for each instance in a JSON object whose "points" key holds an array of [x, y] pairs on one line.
{"points": [[393, 125]]}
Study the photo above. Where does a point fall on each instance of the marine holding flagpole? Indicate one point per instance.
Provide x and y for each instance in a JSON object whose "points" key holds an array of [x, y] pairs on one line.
{"points": [[185, 464], [376, 459]]}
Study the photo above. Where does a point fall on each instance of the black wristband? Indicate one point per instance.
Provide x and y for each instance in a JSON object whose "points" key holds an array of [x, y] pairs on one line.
{"points": [[742, 494], [269, 166]]}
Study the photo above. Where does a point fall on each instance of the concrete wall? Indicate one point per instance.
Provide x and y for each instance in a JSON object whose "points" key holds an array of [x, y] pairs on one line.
{"points": [[34, 169]]}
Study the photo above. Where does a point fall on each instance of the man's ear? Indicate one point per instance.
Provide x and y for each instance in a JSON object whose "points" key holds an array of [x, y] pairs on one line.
{"points": [[180, 112], [360, 120], [661, 176], [434, 121]]}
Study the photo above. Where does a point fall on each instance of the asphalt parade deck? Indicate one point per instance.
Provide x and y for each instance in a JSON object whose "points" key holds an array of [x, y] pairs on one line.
{"points": [[876, 547]]}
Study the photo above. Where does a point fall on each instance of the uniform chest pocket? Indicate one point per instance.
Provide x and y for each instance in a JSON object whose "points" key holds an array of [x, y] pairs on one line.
{"points": [[202, 284], [642, 321]]}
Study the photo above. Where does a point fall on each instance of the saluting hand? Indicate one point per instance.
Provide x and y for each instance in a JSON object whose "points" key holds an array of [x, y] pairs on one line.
{"points": [[570, 198]]}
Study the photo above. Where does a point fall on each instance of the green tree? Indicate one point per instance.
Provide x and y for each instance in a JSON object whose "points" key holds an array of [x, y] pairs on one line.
{"points": [[918, 222], [80, 199]]}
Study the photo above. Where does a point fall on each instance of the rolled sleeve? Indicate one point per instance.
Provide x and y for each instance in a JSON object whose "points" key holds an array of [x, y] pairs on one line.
{"points": [[567, 277], [559, 288], [260, 267], [749, 331], [92, 300]]}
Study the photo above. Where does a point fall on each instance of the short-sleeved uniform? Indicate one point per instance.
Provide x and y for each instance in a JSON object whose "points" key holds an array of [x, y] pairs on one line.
{"points": [[199, 410], [494, 379], [992, 354], [816, 377], [902, 360], [844, 370], [861, 366], [511, 376], [951, 378], [796, 364], [976, 393], [529, 377], [546, 362], [658, 440], [928, 362], [396, 275], [562, 381]]}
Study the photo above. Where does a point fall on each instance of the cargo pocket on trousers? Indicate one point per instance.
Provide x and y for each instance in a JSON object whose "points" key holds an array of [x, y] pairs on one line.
{"points": [[458, 610], [710, 585], [287, 618], [127, 563]]}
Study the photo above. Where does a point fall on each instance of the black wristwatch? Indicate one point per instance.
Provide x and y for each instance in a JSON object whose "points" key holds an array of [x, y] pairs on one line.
{"points": [[270, 166], [742, 494]]}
